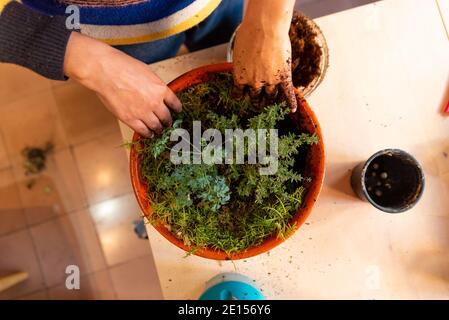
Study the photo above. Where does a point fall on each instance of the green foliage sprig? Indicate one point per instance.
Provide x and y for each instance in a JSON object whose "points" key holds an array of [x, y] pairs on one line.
{"points": [[227, 207]]}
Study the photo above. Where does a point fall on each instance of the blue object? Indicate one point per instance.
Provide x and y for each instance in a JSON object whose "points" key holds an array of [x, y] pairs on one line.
{"points": [[231, 286], [140, 229]]}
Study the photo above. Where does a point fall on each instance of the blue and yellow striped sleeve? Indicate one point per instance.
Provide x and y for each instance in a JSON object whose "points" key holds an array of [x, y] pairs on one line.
{"points": [[3, 4]]}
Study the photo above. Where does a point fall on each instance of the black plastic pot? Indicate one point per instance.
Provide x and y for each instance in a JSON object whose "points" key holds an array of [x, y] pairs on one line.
{"points": [[391, 180]]}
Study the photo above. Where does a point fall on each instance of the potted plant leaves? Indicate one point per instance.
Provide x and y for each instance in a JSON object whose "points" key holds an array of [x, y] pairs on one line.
{"points": [[223, 208]]}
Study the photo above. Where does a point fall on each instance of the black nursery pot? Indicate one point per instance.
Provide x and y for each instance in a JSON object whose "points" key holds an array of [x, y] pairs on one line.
{"points": [[391, 180]]}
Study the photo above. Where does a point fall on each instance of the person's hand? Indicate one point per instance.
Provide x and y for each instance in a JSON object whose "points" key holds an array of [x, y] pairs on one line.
{"points": [[262, 51], [126, 86]]}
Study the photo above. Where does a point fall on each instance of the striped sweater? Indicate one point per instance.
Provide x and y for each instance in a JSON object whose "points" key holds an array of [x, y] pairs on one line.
{"points": [[131, 21], [34, 33]]}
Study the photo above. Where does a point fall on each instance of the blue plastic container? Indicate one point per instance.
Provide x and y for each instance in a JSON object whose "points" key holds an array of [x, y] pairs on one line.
{"points": [[231, 286]]}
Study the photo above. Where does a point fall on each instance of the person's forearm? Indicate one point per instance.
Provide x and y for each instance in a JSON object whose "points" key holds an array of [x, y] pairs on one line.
{"points": [[83, 59], [269, 15], [262, 51], [33, 40]]}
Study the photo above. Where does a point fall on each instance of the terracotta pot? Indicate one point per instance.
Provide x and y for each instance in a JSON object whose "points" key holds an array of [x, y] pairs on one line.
{"points": [[314, 166]]}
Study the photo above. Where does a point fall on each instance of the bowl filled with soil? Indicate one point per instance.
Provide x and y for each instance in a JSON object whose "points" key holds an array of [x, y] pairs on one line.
{"points": [[209, 201], [310, 53]]}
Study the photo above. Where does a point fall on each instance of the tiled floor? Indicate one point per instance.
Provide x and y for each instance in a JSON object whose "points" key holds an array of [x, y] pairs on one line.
{"points": [[80, 210]]}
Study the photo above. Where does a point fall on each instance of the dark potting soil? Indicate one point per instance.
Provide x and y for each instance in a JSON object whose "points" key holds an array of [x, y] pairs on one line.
{"points": [[35, 158], [306, 52], [392, 182]]}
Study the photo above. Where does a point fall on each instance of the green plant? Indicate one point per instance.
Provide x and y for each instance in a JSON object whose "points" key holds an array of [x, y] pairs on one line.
{"points": [[35, 158], [229, 207]]}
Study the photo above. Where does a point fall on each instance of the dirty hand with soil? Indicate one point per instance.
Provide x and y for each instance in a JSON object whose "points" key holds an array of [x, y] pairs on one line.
{"points": [[262, 54]]}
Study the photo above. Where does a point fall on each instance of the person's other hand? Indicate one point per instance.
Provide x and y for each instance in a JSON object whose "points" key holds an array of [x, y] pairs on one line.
{"points": [[262, 51], [126, 86]]}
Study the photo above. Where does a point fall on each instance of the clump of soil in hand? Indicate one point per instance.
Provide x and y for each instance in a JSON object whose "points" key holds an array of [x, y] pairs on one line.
{"points": [[306, 52], [36, 158]]}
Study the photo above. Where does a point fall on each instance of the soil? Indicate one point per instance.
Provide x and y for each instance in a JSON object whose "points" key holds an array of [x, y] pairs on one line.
{"points": [[36, 158], [306, 52], [392, 182]]}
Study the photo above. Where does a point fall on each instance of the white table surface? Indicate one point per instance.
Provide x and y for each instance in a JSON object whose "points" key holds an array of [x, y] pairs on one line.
{"points": [[386, 86]]}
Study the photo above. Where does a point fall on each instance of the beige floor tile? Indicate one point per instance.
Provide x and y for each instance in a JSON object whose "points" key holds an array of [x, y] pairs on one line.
{"points": [[67, 179], [83, 115], [4, 160], [55, 191], [97, 286], [11, 220], [17, 82], [38, 215], [39, 295], [136, 280], [12, 217], [87, 239], [57, 247], [114, 222], [17, 254], [9, 196], [57, 83], [31, 121], [103, 167]]}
